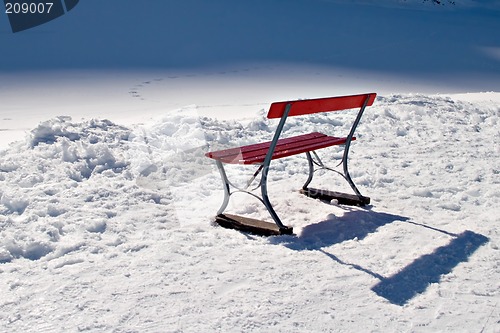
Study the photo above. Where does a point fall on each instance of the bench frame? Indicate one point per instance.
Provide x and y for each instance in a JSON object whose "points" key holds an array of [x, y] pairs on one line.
{"points": [[283, 110]]}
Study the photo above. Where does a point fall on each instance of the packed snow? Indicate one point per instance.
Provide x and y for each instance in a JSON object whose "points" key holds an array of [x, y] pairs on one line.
{"points": [[108, 228], [107, 201]]}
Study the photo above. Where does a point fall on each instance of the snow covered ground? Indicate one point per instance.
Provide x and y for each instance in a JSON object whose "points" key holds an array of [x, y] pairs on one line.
{"points": [[107, 228], [106, 198]]}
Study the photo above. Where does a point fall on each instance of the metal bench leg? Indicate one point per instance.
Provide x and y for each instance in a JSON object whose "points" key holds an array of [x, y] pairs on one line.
{"points": [[265, 199], [311, 171], [348, 145], [263, 181], [342, 198], [267, 163], [347, 177], [225, 183], [360, 198], [247, 224]]}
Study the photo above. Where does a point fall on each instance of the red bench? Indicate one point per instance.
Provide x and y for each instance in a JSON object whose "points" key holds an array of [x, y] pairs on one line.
{"points": [[263, 153]]}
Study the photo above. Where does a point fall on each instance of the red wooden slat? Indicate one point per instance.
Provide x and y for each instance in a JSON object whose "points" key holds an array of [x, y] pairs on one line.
{"points": [[296, 150], [290, 146], [259, 146], [256, 153], [309, 106]]}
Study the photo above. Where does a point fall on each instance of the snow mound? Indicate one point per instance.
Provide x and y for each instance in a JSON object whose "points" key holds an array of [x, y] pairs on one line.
{"points": [[69, 180], [94, 211], [78, 176]]}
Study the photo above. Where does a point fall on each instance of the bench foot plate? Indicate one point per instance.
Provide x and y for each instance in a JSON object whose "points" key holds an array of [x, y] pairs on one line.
{"points": [[253, 226], [342, 198]]}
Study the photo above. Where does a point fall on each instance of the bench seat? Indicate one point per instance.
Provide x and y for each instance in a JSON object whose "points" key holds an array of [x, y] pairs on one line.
{"points": [[256, 153]]}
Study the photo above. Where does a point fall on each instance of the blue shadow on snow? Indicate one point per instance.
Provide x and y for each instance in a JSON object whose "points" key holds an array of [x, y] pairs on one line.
{"points": [[416, 277], [354, 224], [410, 280]]}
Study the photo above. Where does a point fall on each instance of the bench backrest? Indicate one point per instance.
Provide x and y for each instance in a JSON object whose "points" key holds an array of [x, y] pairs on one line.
{"points": [[309, 106]]}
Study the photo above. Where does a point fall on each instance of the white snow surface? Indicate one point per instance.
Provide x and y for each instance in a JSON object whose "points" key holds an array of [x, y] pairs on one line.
{"points": [[107, 201], [108, 228]]}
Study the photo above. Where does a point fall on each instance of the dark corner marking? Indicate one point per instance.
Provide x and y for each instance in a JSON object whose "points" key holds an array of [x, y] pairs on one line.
{"points": [[26, 14], [70, 4]]}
